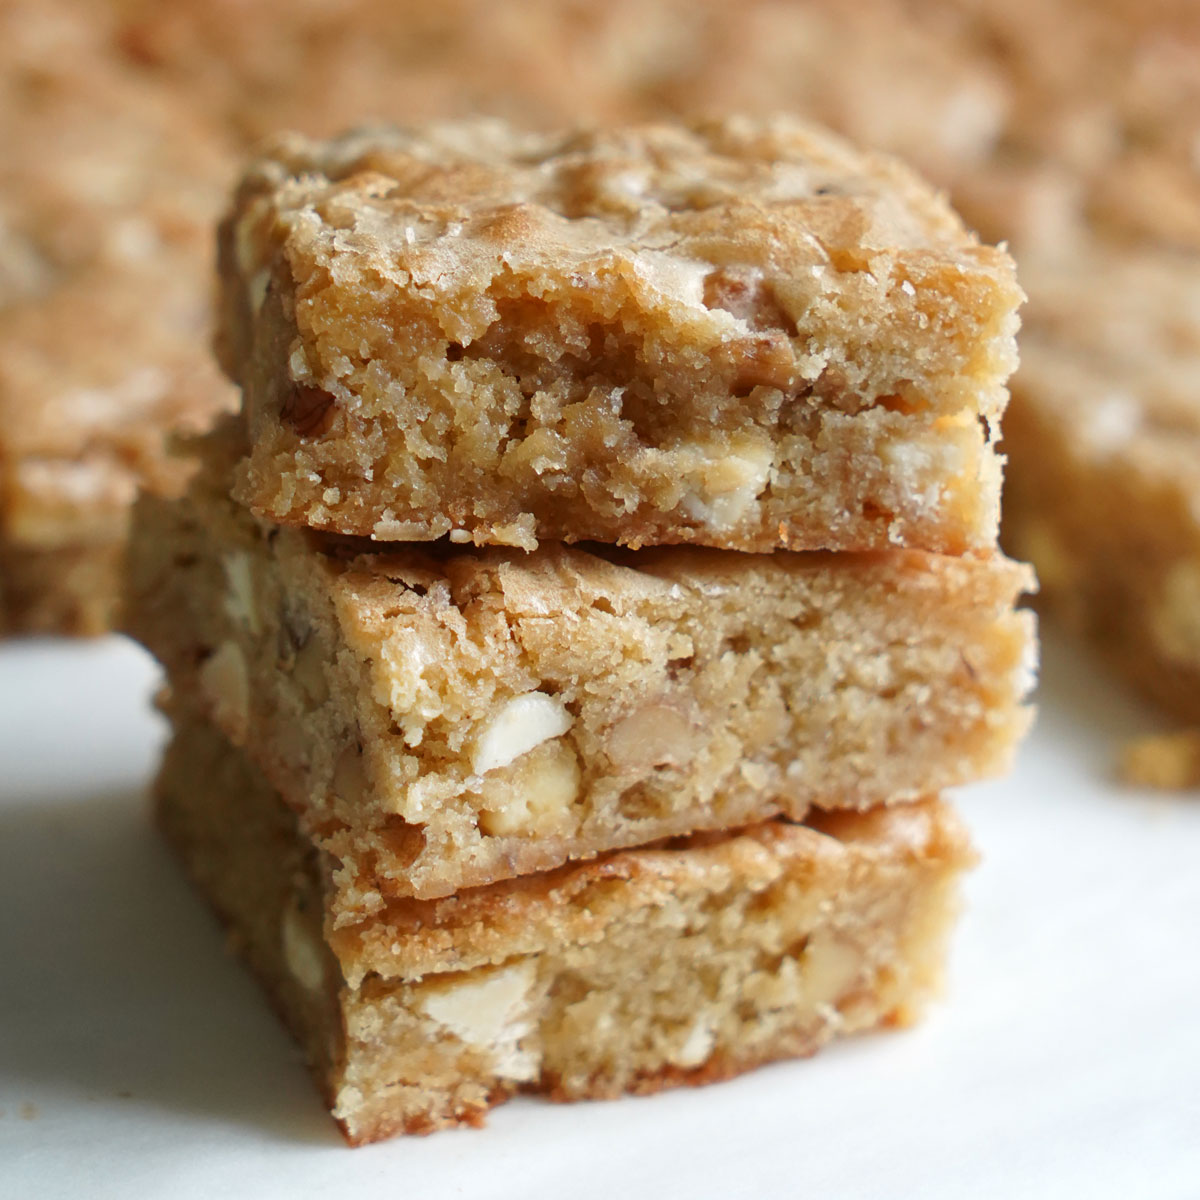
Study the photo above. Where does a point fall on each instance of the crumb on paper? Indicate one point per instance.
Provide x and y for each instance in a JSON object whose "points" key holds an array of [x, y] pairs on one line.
{"points": [[1170, 761], [29, 1111]]}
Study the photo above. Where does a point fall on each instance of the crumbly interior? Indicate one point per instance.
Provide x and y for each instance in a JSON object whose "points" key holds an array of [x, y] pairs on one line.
{"points": [[680, 964], [742, 334], [455, 716], [1105, 427]]}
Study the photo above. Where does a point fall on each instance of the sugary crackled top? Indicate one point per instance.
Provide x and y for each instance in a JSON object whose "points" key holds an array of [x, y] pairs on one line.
{"points": [[445, 210], [576, 902]]}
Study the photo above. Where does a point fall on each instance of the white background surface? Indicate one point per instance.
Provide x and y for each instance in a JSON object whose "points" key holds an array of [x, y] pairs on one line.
{"points": [[136, 1058]]}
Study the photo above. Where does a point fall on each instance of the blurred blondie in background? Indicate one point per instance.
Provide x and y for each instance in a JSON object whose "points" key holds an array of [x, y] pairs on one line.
{"points": [[1069, 128]]}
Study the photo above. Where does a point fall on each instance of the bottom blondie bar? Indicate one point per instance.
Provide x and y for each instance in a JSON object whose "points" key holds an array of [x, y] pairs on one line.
{"points": [[684, 962]]}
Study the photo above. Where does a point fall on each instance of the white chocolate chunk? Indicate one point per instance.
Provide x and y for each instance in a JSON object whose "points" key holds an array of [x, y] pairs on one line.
{"points": [[302, 952], [727, 481], [239, 600], [520, 725], [490, 1009], [680, 278], [226, 684], [536, 797], [830, 966], [697, 1046]]}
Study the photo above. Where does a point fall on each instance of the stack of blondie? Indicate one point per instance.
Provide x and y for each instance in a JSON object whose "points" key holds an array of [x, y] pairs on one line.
{"points": [[569, 641]]}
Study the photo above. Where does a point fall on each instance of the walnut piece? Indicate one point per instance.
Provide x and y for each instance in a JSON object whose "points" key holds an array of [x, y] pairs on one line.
{"points": [[307, 411]]}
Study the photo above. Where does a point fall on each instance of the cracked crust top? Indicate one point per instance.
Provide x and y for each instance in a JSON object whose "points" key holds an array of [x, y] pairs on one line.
{"points": [[438, 204]]}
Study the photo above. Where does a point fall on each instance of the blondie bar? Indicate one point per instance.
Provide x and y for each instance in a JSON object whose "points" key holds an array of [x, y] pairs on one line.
{"points": [[80, 434], [742, 334], [1104, 434], [108, 191], [682, 963], [463, 714]]}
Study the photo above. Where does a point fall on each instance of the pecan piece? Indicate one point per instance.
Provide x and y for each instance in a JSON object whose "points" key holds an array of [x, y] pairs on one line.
{"points": [[307, 411]]}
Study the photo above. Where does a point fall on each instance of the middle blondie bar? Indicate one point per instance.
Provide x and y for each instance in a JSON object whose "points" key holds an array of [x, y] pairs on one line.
{"points": [[742, 334], [446, 716]]}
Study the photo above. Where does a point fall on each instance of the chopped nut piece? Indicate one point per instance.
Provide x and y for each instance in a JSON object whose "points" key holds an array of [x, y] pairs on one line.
{"points": [[652, 736], [829, 965], [537, 796]]}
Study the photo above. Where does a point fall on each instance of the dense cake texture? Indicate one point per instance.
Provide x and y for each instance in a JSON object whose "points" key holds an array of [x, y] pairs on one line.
{"points": [[455, 715], [1105, 427], [683, 963], [743, 334]]}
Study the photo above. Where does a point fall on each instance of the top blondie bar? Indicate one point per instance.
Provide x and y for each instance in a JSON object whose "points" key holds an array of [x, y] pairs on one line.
{"points": [[741, 333]]}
